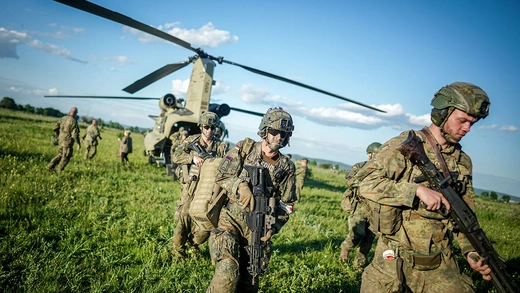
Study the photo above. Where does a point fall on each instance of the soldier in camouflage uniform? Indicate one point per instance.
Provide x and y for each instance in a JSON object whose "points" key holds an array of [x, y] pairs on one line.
{"points": [[90, 138], [191, 161], [302, 171], [415, 244], [229, 240], [67, 131], [358, 232]]}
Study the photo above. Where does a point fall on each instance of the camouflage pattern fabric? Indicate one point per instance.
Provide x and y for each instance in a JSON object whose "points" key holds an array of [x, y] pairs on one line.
{"points": [[359, 234], [424, 239], [185, 230], [227, 243], [90, 139], [67, 131]]}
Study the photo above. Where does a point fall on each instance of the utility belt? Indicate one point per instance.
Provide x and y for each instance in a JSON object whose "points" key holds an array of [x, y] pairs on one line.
{"points": [[419, 261]]}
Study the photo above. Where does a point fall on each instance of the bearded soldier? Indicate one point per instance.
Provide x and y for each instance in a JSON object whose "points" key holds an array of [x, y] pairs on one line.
{"points": [[359, 233], [230, 242], [191, 161], [67, 131], [90, 138], [415, 248]]}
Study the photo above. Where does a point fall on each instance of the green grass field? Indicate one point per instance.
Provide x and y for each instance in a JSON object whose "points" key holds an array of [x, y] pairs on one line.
{"points": [[101, 227]]}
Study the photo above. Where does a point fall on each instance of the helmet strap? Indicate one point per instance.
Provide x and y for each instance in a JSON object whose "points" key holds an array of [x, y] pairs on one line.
{"points": [[450, 138]]}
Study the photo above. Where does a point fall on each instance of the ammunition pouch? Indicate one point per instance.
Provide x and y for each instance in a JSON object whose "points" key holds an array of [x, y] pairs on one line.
{"points": [[384, 219], [421, 262], [349, 201]]}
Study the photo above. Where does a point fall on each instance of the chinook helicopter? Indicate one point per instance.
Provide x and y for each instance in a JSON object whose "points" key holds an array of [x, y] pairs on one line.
{"points": [[177, 113]]}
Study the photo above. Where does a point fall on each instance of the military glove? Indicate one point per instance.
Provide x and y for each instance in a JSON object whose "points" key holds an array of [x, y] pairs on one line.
{"points": [[267, 236], [246, 196]]}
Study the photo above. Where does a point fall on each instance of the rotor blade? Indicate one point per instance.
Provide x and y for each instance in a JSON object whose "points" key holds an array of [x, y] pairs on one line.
{"points": [[257, 71], [247, 111], [123, 19], [102, 97], [155, 76]]}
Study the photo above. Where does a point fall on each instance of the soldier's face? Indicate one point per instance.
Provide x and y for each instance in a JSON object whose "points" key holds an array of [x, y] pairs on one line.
{"points": [[459, 123], [208, 131], [275, 139]]}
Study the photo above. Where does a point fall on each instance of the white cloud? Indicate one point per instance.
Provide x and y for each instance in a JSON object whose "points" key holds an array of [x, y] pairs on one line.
{"points": [[509, 128], [180, 87], [493, 126], [346, 114], [10, 39], [206, 36], [250, 94]]}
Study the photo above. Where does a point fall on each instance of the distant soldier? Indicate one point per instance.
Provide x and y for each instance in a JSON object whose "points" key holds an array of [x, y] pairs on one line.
{"points": [[90, 138], [183, 135], [125, 147], [175, 169], [228, 243], [67, 131], [174, 137], [191, 162], [359, 233], [302, 171]]}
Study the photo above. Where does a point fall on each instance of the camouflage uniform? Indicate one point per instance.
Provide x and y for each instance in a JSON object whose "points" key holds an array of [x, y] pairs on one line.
{"points": [[228, 241], [91, 140], [423, 240], [184, 230], [359, 233], [67, 131], [301, 174]]}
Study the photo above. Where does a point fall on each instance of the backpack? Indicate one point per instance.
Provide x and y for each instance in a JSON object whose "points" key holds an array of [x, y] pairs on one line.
{"points": [[208, 197]]}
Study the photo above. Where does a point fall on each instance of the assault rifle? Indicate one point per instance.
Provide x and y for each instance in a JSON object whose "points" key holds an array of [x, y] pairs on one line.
{"points": [[260, 221], [195, 146], [194, 170], [460, 214]]}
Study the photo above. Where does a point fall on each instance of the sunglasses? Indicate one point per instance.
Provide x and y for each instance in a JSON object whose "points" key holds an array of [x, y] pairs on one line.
{"points": [[209, 127], [275, 132]]}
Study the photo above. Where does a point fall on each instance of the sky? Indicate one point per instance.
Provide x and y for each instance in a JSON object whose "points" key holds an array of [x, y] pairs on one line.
{"points": [[393, 55]]}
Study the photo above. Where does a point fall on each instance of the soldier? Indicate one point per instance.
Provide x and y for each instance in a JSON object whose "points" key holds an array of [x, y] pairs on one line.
{"points": [[302, 172], [191, 161], [125, 147], [229, 240], [90, 139], [67, 131], [415, 245], [358, 232]]}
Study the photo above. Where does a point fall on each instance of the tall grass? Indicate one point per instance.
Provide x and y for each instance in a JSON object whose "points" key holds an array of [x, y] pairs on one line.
{"points": [[101, 227]]}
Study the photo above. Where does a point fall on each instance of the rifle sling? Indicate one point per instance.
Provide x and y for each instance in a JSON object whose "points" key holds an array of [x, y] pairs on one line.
{"points": [[441, 160]]}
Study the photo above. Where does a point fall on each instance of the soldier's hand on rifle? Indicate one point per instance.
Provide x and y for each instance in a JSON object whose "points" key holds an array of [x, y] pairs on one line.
{"points": [[475, 262], [198, 160], [267, 236], [431, 198], [246, 196]]}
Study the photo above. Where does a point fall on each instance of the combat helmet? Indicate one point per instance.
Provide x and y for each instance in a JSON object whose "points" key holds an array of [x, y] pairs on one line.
{"points": [[373, 147], [278, 119], [209, 118], [464, 96]]}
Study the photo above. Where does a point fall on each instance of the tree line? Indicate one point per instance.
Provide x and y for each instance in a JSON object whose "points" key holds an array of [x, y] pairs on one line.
{"points": [[9, 103]]}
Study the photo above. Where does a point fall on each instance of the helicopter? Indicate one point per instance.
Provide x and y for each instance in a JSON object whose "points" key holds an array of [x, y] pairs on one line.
{"points": [[177, 113]]}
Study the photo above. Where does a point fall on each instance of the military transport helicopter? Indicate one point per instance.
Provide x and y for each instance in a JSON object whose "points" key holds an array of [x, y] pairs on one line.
{"points": [[176, 113]]}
